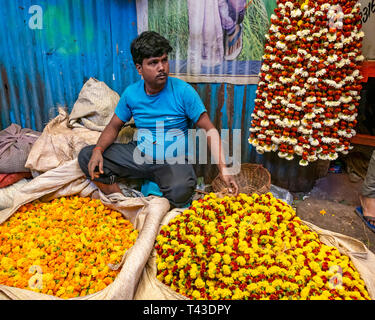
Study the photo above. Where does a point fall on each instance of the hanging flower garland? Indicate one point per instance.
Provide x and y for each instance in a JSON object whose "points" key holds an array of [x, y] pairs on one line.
{"points": [[309, 88]]}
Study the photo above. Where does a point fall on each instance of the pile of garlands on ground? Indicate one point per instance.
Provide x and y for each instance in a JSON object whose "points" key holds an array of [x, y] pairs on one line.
{"points": [[64, 247], [251, 247]]}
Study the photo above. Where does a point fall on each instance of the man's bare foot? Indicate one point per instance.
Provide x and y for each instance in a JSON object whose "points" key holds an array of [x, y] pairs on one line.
{"points": [[368, 207], [108, 188]]}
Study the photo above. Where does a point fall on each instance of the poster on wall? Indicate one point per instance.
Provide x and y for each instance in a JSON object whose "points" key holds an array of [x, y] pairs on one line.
{"points": [[213, 40], [368, 27]]}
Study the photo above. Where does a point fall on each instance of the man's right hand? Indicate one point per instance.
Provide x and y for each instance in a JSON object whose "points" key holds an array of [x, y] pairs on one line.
{"points": [[96, 160]]}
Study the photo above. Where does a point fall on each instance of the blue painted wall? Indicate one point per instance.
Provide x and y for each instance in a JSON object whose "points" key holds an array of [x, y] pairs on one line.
{"points": [[43, 68]]}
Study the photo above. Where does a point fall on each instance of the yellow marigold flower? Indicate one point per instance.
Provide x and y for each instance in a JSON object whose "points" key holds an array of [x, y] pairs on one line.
{"points": [[241, 261], [196, 294], [226, 269], [227, 259]]}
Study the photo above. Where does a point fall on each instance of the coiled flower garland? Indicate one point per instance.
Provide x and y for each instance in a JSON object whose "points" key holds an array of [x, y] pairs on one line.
{"points": [[251, 247]]}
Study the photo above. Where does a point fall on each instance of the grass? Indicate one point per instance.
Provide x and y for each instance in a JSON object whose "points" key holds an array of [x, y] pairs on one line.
{"points": [[170, 18]]}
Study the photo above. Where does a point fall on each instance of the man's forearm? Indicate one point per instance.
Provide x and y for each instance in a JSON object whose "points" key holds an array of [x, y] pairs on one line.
{"points": [[110, 133], [107, 137], [216, 148]]}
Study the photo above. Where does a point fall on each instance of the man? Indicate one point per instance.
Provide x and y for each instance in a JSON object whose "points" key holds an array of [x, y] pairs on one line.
{"points": [[158, 104], [367, 198]]}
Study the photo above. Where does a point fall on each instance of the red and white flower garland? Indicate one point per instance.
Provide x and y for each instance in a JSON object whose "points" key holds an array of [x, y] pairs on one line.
{"points": [[309, 87]]}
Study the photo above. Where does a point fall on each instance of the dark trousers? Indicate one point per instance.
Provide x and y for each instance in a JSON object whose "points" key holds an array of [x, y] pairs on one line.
{"points": [[177, 182]]}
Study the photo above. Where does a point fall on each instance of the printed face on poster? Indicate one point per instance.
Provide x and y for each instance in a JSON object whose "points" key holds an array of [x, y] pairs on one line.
{"points": [[213, 40]]}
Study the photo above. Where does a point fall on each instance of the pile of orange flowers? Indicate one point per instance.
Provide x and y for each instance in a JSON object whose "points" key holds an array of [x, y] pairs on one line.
{"points": [[63, 248], [251, 247]]}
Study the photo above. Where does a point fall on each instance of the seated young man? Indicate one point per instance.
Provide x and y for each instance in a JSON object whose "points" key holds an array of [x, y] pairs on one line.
{"points": [[159, 105]]}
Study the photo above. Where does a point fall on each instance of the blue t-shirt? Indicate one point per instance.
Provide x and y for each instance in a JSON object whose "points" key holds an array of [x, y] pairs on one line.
{"points": [[162, 119]]}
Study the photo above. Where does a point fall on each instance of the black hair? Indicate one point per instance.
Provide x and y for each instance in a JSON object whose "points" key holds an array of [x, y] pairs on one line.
{"points": [[149, 44]]}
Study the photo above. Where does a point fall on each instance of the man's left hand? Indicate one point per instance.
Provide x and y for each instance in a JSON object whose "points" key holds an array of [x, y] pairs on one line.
{"points": [[231, 184]]}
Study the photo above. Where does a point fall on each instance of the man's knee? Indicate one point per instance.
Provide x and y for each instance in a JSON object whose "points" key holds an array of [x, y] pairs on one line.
{"points": [[84, 158], [180, 193]]}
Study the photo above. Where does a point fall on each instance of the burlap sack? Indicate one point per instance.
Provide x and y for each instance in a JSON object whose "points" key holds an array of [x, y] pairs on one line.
{"points": [[15, 145], [59, 143], [145, 214], [94, 107], [150, 288], [8, 193]]}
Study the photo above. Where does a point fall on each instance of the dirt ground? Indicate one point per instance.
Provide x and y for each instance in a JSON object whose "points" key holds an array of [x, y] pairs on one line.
{"points": [[338, 197]]}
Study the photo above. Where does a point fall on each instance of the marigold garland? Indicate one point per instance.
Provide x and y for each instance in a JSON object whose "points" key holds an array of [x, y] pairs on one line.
{"points": [[251, 247], [309, 89], [66, 245]]}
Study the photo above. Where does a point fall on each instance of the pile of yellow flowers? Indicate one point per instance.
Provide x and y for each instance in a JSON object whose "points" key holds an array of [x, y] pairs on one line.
{"points": [[63, 247], [251, 247]]}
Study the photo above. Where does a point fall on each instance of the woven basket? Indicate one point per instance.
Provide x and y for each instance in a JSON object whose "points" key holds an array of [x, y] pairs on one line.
{"points": [[253, 178]]}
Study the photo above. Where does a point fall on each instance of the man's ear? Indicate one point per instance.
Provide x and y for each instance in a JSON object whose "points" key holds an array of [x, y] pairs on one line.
{"points": [[139, 68]]}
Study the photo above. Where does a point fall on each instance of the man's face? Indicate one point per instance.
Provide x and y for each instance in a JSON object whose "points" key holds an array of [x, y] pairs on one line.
{"points": [[154, 71]]}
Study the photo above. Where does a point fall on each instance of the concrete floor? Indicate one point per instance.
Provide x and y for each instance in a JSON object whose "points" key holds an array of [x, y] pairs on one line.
{"points": [[338, 197]]}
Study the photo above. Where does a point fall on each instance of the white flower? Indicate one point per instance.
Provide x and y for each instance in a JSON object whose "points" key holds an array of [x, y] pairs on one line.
{"points": [[290, 59], [303, 163], [321, 72], [260, 113], [316, 125], [333, 156], [268, 105], [291, 37], [331, 59], [274, 28], [296, 13], [298, 150], [346, 99], [298, 71], [318, 110], [331, 37], [312, 80], [314, 142], [359, 35], [265, 67], [264, 123], [289, 4], [275, 139], [267, 148], [277, 66], [310, 99], [347, 40], [349, 79], [259, 149], [312, 158], [282, 154], [338, 45], [289, 157], [302, 52], [355, 73], [280, 45]]}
